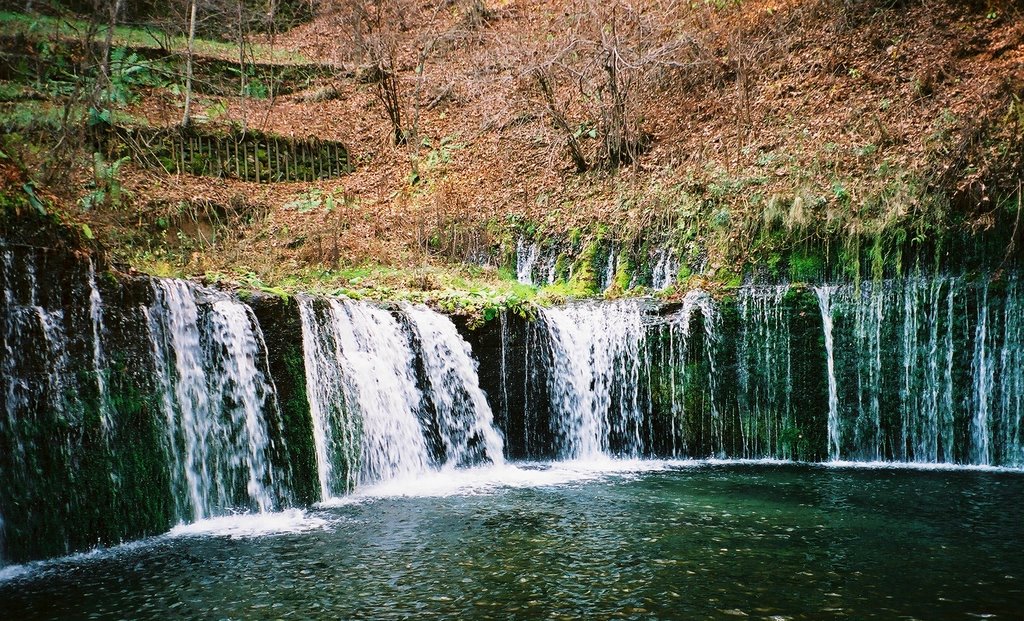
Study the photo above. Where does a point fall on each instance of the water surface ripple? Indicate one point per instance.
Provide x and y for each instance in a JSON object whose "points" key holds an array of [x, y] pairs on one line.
{"points": [[670, 541]]}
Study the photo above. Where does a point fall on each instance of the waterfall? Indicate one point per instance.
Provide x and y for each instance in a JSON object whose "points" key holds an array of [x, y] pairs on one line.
{"points": [[701, 301], [503, 368], [594, 377], [945, 428], [665, 269], [608, 277], [983, 384], [373, 419], [550, 267], [96, 319], [824, 295], [911, 361], [169, 384], [526, 257], [926, 391], [216, 397], [869, 316], [464, 420], [1011, 388], [362, 392], [38, 374], [764, 375], [675, 351], [336, 435]]}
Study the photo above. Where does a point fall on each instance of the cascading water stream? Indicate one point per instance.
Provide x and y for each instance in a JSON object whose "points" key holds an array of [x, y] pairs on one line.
{"points": [[503, 369], [34, 372], [36, 362], [216, 400], [665, 268], [1011, 388], [983, 384], [96, 319], [464, 420], [363, 392], [608, 278], [923, 358], [681, 372], [594, 377], [765, 383], [336, 436], [824, 296], [926, 393], [702, 302], [526, 258], [360, 368]]}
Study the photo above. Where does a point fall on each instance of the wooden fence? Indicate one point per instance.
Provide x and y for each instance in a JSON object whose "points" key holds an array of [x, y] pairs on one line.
{"points": [[248, 155]]}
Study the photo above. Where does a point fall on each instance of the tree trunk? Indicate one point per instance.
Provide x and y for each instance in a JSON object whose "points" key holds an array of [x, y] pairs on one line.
{"points": [[108, 42], [241, 49], [558, 118], [186, 118]]}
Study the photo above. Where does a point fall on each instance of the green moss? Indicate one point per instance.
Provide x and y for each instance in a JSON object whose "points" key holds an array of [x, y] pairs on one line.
{"points": [[584, 276], [623, 272], [730, 279], [805, 267], [562, 265], [297, 425]]}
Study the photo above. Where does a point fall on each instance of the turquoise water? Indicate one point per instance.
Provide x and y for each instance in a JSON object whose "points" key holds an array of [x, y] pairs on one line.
{"points": [[633, 541]]}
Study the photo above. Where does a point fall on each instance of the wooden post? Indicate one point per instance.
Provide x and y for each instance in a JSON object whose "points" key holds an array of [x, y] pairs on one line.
{"points": [[179, 164], [215, 145], [309, 164], [256, 155], [277, 159], [287, 177], [314, 148], [202, 156]]}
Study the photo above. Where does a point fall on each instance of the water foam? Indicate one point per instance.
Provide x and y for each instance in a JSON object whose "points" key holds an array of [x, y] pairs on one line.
{"points": [[250, 525]]}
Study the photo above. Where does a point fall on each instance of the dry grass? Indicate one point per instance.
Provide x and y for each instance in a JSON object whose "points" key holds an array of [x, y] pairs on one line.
{"points": [[795, 111]]}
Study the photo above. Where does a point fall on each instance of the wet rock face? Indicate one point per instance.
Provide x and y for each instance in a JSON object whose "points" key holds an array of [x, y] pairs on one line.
{"points": [[81, 437], [513, 353], [282, 331]]}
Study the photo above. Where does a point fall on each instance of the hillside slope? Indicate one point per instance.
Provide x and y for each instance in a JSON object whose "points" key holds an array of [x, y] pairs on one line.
{"points": [[740, 134]]}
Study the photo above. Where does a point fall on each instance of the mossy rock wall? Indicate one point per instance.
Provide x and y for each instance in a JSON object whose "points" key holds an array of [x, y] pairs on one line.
{"points": [[70, 480], [282, 331], [746, 377]]}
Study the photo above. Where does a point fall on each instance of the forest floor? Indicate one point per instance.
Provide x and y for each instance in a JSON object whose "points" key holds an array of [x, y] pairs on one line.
{"points": [[765, 126]]}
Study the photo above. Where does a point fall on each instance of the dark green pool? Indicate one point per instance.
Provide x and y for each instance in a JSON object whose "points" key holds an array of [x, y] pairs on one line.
{"points": [[696, 541]]}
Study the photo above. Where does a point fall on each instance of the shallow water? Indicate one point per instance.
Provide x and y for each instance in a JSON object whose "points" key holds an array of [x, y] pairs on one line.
{"points": [[619, 540]]}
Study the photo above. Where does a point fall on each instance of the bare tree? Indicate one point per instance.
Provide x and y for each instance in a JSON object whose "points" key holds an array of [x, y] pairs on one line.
{"points": [[374, 25], [542, 75], [387, 90], [610, 56]]}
